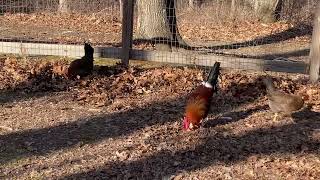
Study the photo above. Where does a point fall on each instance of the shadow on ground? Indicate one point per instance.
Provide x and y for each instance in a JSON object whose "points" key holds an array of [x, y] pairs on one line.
{"points": [[217, 149], [294, 32], [42, 141], [85, 131]]}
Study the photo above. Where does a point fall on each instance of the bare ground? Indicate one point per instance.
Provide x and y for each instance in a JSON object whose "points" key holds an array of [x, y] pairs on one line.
{"points": [[127, 125]]}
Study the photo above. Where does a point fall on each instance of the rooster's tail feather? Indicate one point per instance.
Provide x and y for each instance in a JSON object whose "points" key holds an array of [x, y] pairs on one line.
{"points": [[214, 73]]}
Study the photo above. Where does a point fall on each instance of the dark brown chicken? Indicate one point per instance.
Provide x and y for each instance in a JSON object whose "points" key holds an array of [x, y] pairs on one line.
{"points": [[84, 66], [280, 102]]}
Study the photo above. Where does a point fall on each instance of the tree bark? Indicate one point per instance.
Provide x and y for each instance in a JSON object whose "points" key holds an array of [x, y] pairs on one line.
{"points": [[315, 48], [63, 6], [157, 22]]}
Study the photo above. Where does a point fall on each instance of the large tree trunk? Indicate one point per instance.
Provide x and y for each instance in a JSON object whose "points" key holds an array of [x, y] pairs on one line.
{"points": [[266, 10], [315, 48], [157, 22]]}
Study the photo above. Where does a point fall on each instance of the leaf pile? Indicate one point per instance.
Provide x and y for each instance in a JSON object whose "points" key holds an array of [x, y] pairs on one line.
{"points": [[32, 76], [107, 84], [238, 88], [102, 90]]}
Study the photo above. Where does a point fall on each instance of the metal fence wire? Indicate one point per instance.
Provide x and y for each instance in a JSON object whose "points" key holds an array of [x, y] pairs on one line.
{"points": [[47, 22], [170, 31]]}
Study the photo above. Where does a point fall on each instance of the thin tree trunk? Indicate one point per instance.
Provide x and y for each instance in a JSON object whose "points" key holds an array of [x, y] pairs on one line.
{"points": [[233, 9], [315, 48], [121, 8]]}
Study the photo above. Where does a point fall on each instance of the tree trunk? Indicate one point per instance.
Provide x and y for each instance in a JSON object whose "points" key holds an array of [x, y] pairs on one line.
{"points": [[233, 9], [315, 48], [121, 9], [266, 10], [63, 6], [157, 22]]}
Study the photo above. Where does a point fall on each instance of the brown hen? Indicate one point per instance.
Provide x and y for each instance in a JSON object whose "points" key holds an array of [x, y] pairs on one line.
{"points": [[280, 102]]}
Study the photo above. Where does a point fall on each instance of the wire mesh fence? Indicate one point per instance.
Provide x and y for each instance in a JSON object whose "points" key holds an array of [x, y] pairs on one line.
{"points": [[66, 22], [239, 33]]}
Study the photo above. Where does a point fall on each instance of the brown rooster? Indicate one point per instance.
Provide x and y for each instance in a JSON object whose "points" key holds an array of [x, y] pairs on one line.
{"points": [[199, 101], [84, 66], [280, 102]]}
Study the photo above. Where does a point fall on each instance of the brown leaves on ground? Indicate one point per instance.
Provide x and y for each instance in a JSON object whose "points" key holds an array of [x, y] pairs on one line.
{"points": [[109, 83], [65, 28], [103, 90], [32, 76], [112, 141]]}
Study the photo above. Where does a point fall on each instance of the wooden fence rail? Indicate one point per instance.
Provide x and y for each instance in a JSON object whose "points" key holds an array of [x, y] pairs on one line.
{"points": [[75, 51]]}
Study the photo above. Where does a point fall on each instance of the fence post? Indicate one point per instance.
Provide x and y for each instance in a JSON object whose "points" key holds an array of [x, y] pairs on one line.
{"points": [[315, 48], [127, 30]]}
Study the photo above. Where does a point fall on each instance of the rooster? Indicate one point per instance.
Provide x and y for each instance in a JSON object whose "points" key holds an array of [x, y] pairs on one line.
{"points": [[280, 102], [84, 66], [199, 101]]}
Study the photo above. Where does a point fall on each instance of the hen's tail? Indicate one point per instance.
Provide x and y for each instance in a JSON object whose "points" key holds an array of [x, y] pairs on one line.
{"points": [[88, 51], [214, 74]]}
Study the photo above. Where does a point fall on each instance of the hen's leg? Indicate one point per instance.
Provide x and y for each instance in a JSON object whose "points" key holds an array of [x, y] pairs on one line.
{"points": [[275, 117]]}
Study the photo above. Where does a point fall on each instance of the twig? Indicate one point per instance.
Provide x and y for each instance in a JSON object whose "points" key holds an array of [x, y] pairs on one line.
{"points": [[6, 128]]}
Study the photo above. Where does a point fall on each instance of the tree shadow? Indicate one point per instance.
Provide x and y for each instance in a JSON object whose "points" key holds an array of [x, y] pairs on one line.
{"points": [[297, 31], [290, 33], [297, 53], [219, 148], [306, 114], [234, 116], [273, 56], [212, 149], [85, 131], [93, 129], [216, 149]]}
